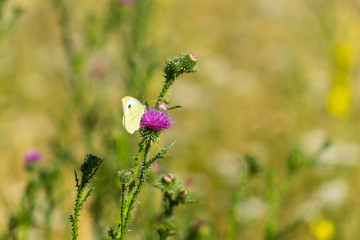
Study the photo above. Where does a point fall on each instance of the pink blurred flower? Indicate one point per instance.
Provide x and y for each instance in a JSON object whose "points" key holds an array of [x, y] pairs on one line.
{"points": [[156, 167], [189, 182], [32, 156]]}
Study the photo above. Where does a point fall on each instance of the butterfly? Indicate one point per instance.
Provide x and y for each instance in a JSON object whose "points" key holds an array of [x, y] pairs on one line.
{"points": [[133, 111]]}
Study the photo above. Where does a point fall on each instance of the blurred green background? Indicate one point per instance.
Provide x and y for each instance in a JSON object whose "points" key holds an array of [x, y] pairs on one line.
{"points": [[274, 76]]}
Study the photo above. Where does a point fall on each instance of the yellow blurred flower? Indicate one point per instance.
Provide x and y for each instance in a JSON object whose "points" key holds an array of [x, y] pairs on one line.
{"points": [[345, 56], [339, 99], [322, 229]]}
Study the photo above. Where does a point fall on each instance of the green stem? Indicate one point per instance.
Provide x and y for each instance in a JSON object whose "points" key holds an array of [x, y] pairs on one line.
{"points": [[74, 82], [136, 170], [274, 199], [238, 194], [28, 205], [48, 216], [137, 166], [131, 201], [168, 82], [290, 228], [64, 18], [138, 158], [78, 201], [139, 54], [122, 214], [76, 214]]}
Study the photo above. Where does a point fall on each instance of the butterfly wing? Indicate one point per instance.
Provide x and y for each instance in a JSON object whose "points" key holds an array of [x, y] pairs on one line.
{"points": [[132, 118], [133, 111], [129, 102]]}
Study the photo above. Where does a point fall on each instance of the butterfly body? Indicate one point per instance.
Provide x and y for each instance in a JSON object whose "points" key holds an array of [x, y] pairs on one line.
{"points": [[133, 111]]}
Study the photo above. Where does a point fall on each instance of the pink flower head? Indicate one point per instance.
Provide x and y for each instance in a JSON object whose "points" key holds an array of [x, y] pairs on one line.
{"points": [[163, 106], [32, 156], [193, 57], [156, 120], [168, 177]]}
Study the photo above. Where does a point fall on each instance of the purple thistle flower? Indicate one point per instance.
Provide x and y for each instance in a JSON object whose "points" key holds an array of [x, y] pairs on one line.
{"points": [[156, 120], [32, 156]]}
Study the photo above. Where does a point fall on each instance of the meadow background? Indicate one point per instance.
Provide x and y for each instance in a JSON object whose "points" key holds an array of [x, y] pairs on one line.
{"points": [[274, 76]]}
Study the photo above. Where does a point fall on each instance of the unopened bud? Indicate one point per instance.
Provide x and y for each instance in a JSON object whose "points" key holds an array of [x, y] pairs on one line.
{"points": [[193, 57], [189, 63], [125, 176], [169, 177], [163, 106], [90, 164], [183, 192]]}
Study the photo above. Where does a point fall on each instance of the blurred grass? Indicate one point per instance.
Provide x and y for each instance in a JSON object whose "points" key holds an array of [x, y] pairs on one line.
{"points": [[268, 69]]}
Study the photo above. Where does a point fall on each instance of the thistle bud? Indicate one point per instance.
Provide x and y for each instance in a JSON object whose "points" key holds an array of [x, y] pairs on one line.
{"points": [[91, 164], [125, 176], [168, 178], [253, 163], [189, 63], [296, 160], [163, 106], [193, 57], [183, 193]]}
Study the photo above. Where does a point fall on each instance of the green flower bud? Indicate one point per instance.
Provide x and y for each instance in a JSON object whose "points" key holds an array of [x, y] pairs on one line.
{"points": [[296, 161], [91, 163], [125, 176], [253, 163], [189, 63]]}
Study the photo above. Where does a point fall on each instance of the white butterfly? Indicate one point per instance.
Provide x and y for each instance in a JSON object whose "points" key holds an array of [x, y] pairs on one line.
{"points": [[133, 111]]}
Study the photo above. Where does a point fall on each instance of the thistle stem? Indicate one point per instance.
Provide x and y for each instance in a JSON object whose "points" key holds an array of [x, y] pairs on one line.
{"points": [[238, 194], [126, 202], [48, 216], [75, 217], [131, 201], [138, 158], [122, 214], [168, 82], [88, 168], [64, 22]]}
